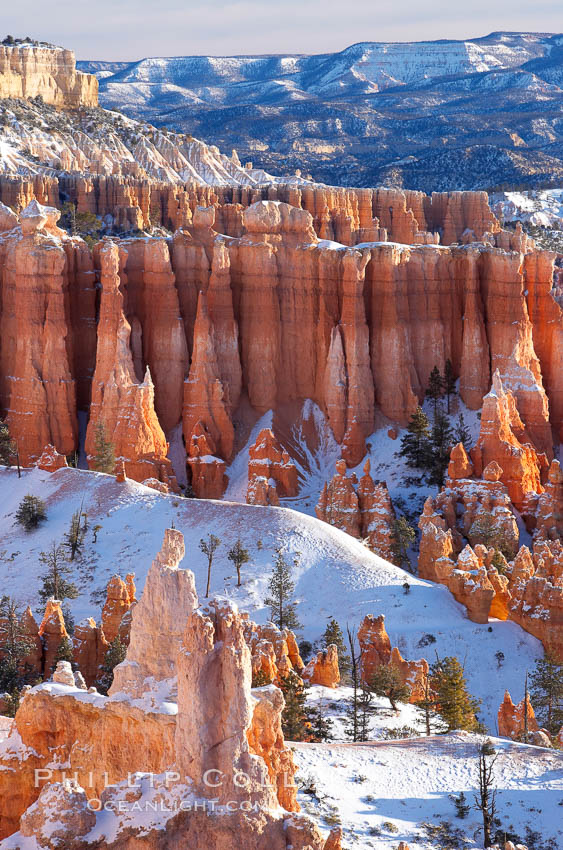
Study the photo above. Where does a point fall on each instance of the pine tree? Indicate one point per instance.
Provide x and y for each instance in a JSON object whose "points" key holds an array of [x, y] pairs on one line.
{"points": [[209, 547], [31, 512], [426, 707], [320, 725], [7, 445], [15, 645], [239, 556], [115, 654], [104, 452], [546, 688], [55, 584], [435, 388], [461, 805], [386, 682], [259, 679], [294, 715], [415, 444], [74, 537], [63, 653], [353, 725], [462, 433], [485, 800], [365, 712], [487, 531], [453, 702], [403, 536], [333, 635], [281, 589], [441, 440], [449, 382]]}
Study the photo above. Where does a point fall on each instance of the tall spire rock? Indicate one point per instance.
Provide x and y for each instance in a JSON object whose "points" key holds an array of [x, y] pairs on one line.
{"points": [[120, 402], [204, 398], [36, 386], [475, 366], [355, 332], [221, 312], [336, 386]]}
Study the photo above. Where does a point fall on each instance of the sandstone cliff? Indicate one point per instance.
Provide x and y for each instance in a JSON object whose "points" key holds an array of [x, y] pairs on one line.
{"points": [[48, 72]]}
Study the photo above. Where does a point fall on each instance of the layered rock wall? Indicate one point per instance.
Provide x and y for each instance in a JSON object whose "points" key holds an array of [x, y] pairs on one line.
{"points": [[48, 72]]}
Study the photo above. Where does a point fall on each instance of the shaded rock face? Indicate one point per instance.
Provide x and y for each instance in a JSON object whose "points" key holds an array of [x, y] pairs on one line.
{"points": [[50, 73], [222, 730]]}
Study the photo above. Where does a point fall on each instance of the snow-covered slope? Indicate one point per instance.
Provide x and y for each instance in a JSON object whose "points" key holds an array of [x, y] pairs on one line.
{"points": [[367, 66], [543, 208], [39, 139], [384, 793], [336, 575]]}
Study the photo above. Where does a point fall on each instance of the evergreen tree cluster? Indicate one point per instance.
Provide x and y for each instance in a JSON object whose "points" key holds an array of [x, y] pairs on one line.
{"points": [[427, 446]]}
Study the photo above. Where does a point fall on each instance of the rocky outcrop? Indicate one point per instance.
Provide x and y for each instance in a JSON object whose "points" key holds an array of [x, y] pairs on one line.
{"points": [[158, 621], [52, 632], [89, 648], [51, 460], [322, 669], [120, 596], [269, 466], [274, 651], [543, 513], [375, 646], [48, 72], [376, 651], [513, 719], [213, 740], [339, 504], [361, 509], [501, 440], [377, 515]]}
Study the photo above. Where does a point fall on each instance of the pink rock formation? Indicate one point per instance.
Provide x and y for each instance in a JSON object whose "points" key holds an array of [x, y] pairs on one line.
{"points": [[123, 404], [267, 463], [204, 402], [375, 646], [338, 504], [500, 441], [36, 384], [51, 460], [323, 669], [511, 720], [120, 595], [52, 632]]}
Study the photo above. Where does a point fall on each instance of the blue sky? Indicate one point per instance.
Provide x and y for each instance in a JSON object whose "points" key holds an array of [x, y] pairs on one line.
{"points": [[132, 29]]}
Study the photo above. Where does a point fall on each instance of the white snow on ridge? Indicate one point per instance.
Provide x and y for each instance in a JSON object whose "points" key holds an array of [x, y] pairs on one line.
{"points": [[383, 792], [336, 577]]}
